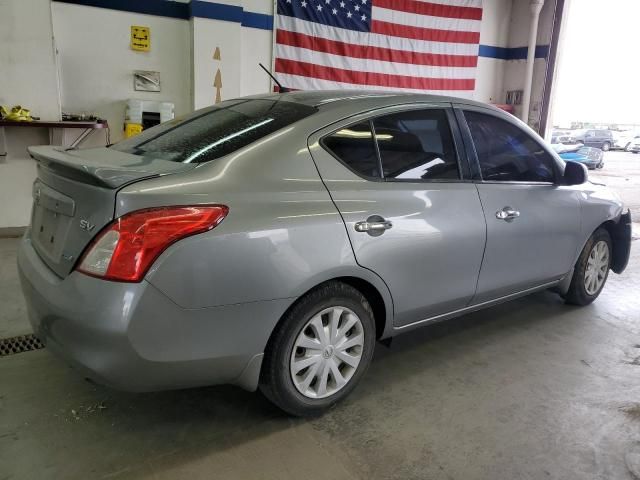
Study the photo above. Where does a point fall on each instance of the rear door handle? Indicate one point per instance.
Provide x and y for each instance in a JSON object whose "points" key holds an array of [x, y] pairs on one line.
{"points": [[507, 214], [375, 225]]}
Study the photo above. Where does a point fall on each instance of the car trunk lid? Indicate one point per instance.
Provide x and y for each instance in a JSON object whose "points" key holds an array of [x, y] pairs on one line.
{"points": [[74, 197]]}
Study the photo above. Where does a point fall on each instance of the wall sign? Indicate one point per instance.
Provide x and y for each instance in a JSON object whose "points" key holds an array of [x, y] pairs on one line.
{"points": [[145, 81], [140, 38]]}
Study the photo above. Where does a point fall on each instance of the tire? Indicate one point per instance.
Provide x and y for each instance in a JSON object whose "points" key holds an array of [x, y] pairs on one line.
{"points": [[606, 146], [579, 293], [277, 376], [627, 147]]}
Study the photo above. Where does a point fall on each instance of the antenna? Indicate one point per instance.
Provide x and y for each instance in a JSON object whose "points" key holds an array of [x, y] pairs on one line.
{"points": [[282, 89]]}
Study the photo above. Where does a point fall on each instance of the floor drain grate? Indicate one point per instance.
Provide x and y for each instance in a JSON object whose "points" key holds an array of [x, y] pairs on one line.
{"points": [[19, 344]]}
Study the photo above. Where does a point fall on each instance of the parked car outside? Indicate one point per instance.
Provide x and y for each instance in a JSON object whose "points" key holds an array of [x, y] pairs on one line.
{"points": [[635, 146], [598, 138], [561, 136], [591, 157], [270, 241], [623, 140]]}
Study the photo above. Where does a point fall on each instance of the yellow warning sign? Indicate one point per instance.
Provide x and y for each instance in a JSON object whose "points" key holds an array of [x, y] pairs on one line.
{"points": [[140, 38]]}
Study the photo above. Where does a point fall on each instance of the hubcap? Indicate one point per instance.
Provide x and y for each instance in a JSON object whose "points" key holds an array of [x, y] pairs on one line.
{"points": [[327, 352], [597, 267]]}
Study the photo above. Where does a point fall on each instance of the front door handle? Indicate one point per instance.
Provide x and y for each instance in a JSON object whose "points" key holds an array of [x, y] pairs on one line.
{"points": [[375, 225], [507, 214]]}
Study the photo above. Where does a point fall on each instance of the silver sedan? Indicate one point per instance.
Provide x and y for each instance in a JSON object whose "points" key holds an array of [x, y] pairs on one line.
{"points": [[270, 241]]}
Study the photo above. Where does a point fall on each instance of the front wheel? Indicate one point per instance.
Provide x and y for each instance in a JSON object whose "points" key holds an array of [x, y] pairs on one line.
{"points": [[606, 146], [591, 270], [319, 351]]}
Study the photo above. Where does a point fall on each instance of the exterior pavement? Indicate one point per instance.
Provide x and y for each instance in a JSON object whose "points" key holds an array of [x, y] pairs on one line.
{"points": [[531, 389]]}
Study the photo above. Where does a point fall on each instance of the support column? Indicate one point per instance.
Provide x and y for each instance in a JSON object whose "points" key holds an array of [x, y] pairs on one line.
{"points": [[536, 7]]}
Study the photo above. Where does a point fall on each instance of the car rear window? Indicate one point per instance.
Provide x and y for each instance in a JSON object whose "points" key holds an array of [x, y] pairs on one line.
{"points": [[216, 131]]}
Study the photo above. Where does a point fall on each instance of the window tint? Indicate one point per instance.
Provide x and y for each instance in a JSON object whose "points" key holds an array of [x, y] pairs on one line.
{"points": [[416, 145], [215, 131], [354, 146], [506, 152]]}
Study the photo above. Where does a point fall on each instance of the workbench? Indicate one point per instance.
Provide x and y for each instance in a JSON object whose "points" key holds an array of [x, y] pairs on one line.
{"points": [[56, 131]]}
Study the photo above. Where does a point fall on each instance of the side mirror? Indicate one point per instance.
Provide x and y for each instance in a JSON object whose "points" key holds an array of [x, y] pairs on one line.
{"points": [[574, 173]]}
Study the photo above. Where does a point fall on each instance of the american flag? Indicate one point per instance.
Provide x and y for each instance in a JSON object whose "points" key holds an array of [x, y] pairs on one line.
{"points": [[406, 45]]}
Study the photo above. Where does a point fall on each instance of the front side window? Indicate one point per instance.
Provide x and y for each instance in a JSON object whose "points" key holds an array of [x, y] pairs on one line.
{"points": [[416, 145], [353, 146], [216, 131], [507, 153]]}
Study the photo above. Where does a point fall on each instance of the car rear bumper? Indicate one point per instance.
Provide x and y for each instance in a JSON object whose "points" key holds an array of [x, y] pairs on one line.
{"points": [[131, 337]]}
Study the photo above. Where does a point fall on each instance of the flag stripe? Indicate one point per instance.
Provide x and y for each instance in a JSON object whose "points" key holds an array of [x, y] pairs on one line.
{"points": [[424, 21], [297, 82], [294, 39], [371, 78], [320, 31], [417, 33], [370, 66], [431, 9]]}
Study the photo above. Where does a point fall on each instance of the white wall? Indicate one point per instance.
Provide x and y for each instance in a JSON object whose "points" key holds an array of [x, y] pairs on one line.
{"points": [[17, 174], [241, 49], [97, 63], [494, 31], [28, 74], [207, 35], [519, 37], [255, 48]]}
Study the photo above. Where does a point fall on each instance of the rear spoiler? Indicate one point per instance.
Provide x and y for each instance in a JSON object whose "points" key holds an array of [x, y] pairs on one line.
{"points": [[103, 167]]}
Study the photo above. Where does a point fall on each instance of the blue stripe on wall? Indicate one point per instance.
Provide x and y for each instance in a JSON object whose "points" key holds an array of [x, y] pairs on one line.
{"points": [[233, 13], [215, 11], [196, 8], [515, 53], [160, 8], [257, 20]]}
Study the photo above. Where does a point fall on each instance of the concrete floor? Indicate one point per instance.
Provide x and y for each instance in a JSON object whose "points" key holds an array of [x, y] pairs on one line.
{"points": [[532, 389]]}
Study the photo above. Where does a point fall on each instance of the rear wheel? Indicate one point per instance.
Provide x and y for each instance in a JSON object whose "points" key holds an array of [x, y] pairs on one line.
{"points": [[591, 270], [320, 350], [606, 146]]}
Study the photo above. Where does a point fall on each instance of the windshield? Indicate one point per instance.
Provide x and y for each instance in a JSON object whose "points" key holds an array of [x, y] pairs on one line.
{"points": [[216, 131]]}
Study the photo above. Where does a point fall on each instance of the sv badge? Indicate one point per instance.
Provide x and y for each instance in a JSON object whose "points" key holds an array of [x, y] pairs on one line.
{"points": [[86, 225]]}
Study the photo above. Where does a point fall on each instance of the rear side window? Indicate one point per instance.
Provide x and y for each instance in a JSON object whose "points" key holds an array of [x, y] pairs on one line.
{"points": [[216, 131], [508, 153], [416, 145], [354, 146]]}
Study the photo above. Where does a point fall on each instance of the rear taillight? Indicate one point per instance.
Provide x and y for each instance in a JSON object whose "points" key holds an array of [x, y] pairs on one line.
{"points": [[127, 247]]}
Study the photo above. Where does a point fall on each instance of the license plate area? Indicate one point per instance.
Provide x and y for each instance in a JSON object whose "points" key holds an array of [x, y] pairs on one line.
{"points": [[51, 219]]}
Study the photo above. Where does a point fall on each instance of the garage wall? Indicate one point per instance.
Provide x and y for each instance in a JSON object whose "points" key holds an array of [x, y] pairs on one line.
{"points": [[244, 36], [28, 76], [494, 32], [97, 64], [518, 40]]}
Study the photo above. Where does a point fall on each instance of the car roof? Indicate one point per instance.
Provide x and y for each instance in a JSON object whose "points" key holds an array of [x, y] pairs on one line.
{"points": [[325, 99]]}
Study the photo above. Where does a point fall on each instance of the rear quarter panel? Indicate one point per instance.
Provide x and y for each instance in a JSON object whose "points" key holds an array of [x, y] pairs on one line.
{"points": [[283, 234]]}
